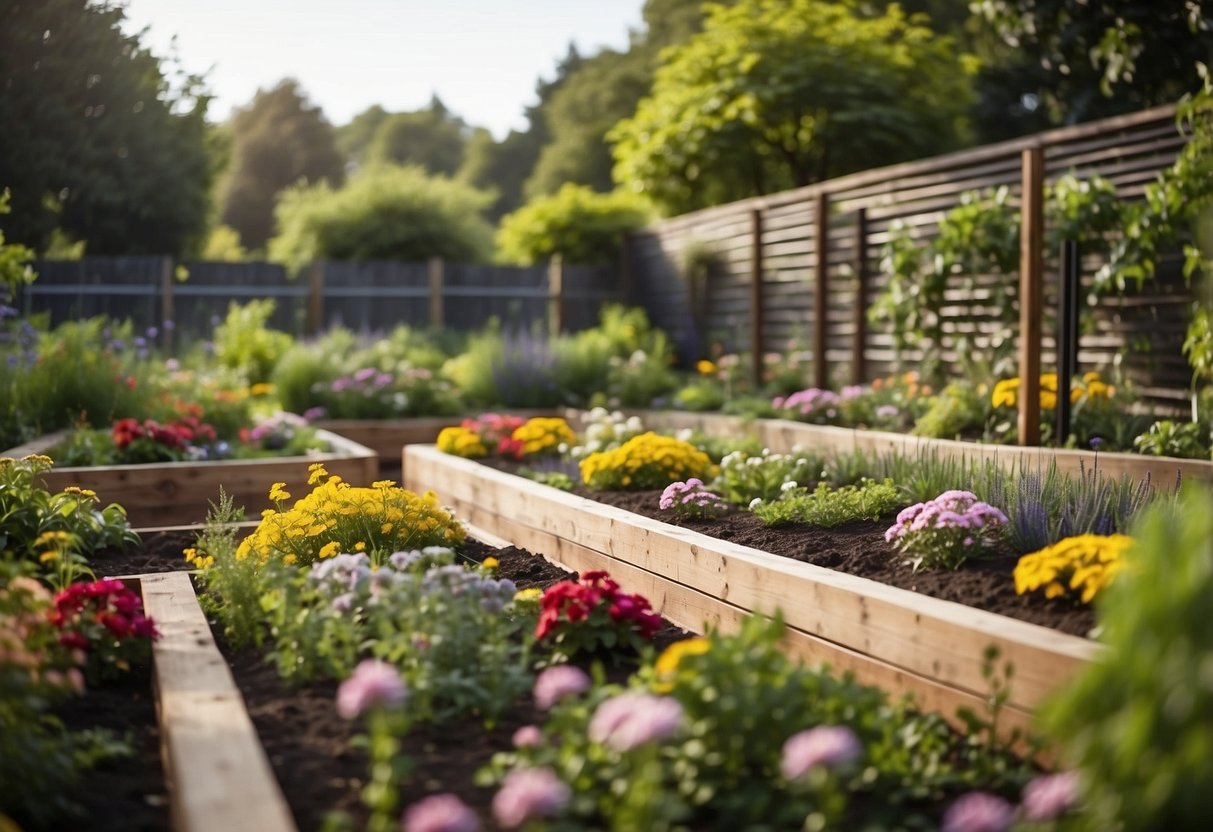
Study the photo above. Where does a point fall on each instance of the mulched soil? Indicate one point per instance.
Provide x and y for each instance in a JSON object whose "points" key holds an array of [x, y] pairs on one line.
{"points": [[309, 745], [859, 548]]}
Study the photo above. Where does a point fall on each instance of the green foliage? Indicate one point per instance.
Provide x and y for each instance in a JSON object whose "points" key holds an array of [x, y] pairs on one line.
{"points": [[582, 226], [1146, 697], [701, 395], [432, 139], [765, 476], [354, 139], [278, 141], [1187, 440], [825, 506], [383, 213], [244, 343], [103, 140], [959, 409], [223, 245], [779, 93], [14, 259], [232, 589]]}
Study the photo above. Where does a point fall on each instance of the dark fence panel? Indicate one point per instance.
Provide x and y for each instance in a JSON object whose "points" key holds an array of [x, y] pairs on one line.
{"points": [[119, 287], [375, 296]]}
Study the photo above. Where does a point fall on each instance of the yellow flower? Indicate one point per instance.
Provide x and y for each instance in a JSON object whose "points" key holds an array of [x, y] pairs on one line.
{"points": [[48, 555], [261, 389], [278, 492], [1005, 391], [490, 563], [329, 549], [360, 546], [1084, 564], [290, 559], [191, 555], [86, 493], [316, 473], [667, 664], [383, 484], [706, 368]]}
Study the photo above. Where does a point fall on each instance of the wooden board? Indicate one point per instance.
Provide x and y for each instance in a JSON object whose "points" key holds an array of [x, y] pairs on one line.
{"points": [[219, 777], [928, 641], [174, 493]]}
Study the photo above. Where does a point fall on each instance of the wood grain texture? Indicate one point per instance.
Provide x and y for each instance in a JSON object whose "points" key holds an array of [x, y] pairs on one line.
{"points": [[219, 777]]}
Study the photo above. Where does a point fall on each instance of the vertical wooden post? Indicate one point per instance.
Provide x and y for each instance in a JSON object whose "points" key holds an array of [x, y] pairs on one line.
{"points": [[315, 298], [167, 321], [859, 368], [625, 268], [757, 300], [437, 313], [556, 294], [1031, 282], [1067, 336], [821, 302]]}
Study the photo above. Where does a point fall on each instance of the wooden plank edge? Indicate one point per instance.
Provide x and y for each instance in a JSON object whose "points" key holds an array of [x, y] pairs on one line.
{"points": [[219, 777]]}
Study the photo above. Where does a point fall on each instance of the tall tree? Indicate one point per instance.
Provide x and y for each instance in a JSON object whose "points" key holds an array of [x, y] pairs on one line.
{"points": [[433, 138], [354, 139], [278, 140], [1103, 57], [100, 139], [775, 94]]}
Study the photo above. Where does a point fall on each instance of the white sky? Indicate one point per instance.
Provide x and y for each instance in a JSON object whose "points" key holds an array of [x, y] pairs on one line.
{"points": [[482, 57]]}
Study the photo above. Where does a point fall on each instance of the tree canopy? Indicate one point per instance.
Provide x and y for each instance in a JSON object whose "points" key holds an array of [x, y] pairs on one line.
{"points": [[385, 212], [100, 138], [278, 140], [433, 138], [576, 222], [775, 94]]}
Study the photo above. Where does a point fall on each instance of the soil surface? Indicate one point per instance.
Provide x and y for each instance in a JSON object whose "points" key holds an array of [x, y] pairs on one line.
{"points": [[859, 548], [311, 748]]}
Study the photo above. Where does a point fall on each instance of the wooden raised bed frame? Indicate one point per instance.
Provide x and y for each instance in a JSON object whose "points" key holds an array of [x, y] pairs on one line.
{"points": [[893, 638], [168, 493]]}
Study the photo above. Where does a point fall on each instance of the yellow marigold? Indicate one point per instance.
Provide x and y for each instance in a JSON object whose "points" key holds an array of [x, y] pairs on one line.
{"points": [[490, 563], [646, 461], [1082, 565], [667, 664], [261, 389], [543, 434], [1005, 393], [706, 368], [329, 549], [460, 441]]}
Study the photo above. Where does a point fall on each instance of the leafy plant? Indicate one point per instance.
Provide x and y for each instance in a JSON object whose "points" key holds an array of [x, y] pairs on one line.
{"points": [[1170, 438], [233, 584], [577, 223], [765, 476], [825, 506]]}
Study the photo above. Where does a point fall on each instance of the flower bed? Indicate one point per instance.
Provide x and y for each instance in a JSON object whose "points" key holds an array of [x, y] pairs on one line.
{"points": [[896, 639], [781, 435], [166, 493]]}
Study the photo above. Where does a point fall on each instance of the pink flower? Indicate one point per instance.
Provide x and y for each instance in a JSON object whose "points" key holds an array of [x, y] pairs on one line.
{"points": [[556, 683], [1049, 797], [825, 745], [528, 736], [372, 684], [629, 720], [529, 793], [978, 812], [440, 813]]}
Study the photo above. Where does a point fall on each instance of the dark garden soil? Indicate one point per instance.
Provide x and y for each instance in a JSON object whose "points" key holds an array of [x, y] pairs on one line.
{"points": [[310, 746], [859, 548]]}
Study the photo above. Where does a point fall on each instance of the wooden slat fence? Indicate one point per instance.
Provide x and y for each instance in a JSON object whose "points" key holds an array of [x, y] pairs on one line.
{"points": [[1129, 151], [365, 297]]}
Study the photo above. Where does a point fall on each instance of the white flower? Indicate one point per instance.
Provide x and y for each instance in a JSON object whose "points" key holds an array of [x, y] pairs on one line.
{"points": [[754, 503], [685, 434], [788, 486]]}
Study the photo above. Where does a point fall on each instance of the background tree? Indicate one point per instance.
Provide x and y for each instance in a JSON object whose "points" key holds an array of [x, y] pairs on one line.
{"points": [[278, 140], [385, 212], [775, 94], [1103, 57], [583, 226], [433, 138], [100, 139]]}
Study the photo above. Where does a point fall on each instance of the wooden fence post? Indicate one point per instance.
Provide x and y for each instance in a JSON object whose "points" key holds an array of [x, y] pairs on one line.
{"points": [[821, 239], [1031, 280], [757, 301], [859, 368], [315, 298], [167, 322], [437, 312], [556, 294]]}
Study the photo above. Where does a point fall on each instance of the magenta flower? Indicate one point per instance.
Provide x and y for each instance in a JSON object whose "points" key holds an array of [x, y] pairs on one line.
{"points": [[825, 745], [440, 813], [372, 684], [1049, 797], [528, 736], [556, 683], [629, 720], [529, 793], [978, 812]]}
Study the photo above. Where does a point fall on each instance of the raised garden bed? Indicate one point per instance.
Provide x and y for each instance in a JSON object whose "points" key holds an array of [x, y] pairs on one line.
{"points": [[780, 435], [894, 638], [160, 494]]}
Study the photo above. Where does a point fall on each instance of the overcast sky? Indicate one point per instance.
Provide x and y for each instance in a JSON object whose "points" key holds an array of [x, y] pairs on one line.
{"points": [[482, 57]]}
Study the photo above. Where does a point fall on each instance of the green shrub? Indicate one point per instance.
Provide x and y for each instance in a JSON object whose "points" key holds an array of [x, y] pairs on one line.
{"points": [[827, 507], [581, 225], [1138, 721], [243, 342]]}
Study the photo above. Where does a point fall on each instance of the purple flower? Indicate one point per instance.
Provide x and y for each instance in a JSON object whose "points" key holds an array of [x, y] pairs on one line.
{"points": [[1049, 797], [978, 812], [528, 736], [314, 413], [1096, 442], [365, 374], [887, 411], [529, 793], [825, 745], [440, 813], [372, 684], [556, 683], [630, 720]]}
